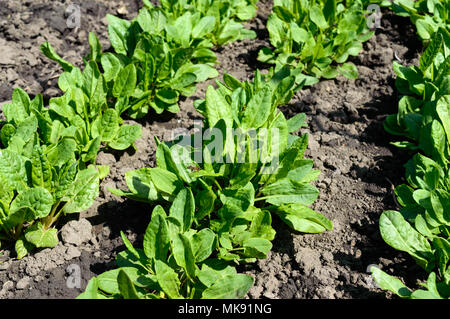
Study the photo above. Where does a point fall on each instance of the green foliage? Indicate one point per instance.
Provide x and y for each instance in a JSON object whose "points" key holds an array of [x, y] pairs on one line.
{"points": [[220, 21], [427, 15], [42, 173], [174, 263], [220, 194], [316, 37], [238, 182], [158, 58], [422, 227]]}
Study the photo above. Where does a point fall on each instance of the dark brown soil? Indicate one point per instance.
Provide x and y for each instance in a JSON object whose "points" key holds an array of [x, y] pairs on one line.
{"points": [[347, 142]]}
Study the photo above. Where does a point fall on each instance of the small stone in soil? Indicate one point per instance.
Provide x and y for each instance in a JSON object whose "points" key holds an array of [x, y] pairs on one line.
{"points": [[72, 252], [77, 232], [8, 285]]}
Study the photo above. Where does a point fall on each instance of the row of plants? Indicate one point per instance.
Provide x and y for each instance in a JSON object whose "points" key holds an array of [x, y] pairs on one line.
{"points": [[213, 194], [215, 202], [422, 226], [316, 38], [48, 154]]}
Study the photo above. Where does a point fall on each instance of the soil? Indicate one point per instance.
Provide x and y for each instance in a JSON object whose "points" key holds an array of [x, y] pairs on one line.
{"points": [[346, 141]]}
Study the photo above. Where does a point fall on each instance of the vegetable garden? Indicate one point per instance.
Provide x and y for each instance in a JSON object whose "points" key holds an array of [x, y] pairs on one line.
{"points": [[225, 149]]}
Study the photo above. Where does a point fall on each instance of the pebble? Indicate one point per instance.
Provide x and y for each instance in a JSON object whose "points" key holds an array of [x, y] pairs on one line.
{"points": [[76, 232], [72, 252], [8, 285], [23, 283]]}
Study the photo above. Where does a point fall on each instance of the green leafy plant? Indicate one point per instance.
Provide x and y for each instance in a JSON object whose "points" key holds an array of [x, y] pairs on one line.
{"points": [[174, 262], [422, 227], [316, 37], [221, 204], [42, 175], [423, 109], [427, 15], [222, 17], [237, 185], [164, 56], [93, 102]]}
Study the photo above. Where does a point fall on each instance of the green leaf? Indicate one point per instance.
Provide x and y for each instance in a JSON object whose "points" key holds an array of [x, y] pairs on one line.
{"points": [[443, 111], [41, 237], [165, 181], [213, 269], [258, 109], [167, 96], [261, 225], [183, 208], [257, 247], [66, 178], [288, 190], [6, 133], [22, 247], [125, 82], [399, 234], [94, 87], [156, 238], [82, 193], [205, 202], [63, 152], [27, 128], [151, 21], [41, 170], [348, 70], [203, 27], [126, 286], [173, 159], [431, 292], [91, 291], [296, 122], [183, 81], [316, 16], [12, 168], [217, 108], [201, 71], [266, 55], [168, 280], [390, 283], [95, 46], [118, 29], [241, 198], [37, 202], [109, 125], [108, 281], [125, 137], [50, 53], [303, 219], [111, 66], [183, 254], [128, 244], [140, 184], [91, 150], [203, 244], [329, 11]]}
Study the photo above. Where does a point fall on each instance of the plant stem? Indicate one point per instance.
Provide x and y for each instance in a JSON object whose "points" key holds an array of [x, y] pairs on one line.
{"points": [[261, 198], [51, 217], [217, 184]]}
